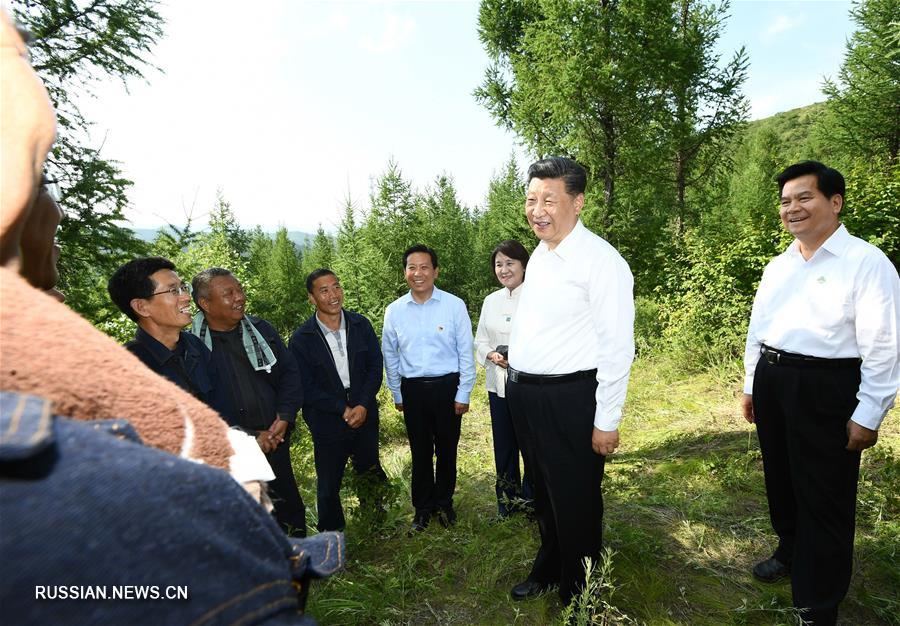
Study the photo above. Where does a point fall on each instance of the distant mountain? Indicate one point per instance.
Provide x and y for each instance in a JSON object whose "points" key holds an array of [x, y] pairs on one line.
{"points": [[298, 237]]}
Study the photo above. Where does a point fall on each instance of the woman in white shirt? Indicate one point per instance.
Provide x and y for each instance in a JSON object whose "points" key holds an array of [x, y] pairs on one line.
{"points": [[509, 260]]}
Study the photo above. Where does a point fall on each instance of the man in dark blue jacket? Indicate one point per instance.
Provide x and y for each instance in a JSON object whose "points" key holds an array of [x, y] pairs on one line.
{"points": [[341, 368], [261, 374], [149, 292]]}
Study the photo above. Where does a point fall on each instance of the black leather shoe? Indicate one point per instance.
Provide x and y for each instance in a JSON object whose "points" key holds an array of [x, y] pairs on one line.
{"points": [[771, 570], [447, 517], [419, 523], [528, 589]]}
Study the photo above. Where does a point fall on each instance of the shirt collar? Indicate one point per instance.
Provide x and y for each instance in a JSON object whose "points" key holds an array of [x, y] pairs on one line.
{"points": [[510, 295], [325, 330], [435, 295], [835, 245], [838, 242], [160, 353], [565, 248]]}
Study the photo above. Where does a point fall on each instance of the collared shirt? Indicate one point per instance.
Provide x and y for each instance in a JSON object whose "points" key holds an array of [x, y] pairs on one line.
{"points": [[844, 302], [430, 339], [188, 365], [576, 313], [494, 326], [337, 342]]}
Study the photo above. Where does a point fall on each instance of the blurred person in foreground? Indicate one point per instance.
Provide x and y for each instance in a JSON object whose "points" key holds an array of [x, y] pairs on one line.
{"points": [[341, 367], [508, 260], [822, 365], [90, 503]]}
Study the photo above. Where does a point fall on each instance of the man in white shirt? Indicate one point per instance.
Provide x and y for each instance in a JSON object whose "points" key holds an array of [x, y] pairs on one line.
{"points": [[822, 371], [570, 353]]}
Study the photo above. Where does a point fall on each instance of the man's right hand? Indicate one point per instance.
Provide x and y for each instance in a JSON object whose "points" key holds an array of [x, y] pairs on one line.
{"points": [[747, 408]]}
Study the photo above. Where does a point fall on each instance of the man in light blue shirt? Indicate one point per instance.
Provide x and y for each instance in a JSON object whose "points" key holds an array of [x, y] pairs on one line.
{"points": [[428, 358]]}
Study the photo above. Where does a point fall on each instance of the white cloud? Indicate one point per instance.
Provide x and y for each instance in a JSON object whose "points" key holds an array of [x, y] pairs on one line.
{"points": [[781, 24], [395, 33]]}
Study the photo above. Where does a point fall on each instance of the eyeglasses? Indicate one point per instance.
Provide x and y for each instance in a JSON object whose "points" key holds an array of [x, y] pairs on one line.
{"points": [[175, 291]]}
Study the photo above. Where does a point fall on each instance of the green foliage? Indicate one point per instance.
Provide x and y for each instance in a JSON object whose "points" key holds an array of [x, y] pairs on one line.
{"points": [[280, 296], [635, 92], [74, 46], [592, 606], [450, 233], [872, 207], [865, 101], [685, 520]]}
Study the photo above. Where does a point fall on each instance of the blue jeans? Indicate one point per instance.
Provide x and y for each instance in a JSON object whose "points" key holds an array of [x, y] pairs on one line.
{"points": [[87, 509]]}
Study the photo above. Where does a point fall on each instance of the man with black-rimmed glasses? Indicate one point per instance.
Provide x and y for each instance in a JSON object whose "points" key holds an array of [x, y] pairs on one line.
{"points": [[150, 292]]}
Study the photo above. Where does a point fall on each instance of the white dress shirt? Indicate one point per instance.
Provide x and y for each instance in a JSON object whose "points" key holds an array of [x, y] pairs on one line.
{"points": [[337, 342], [844, 302], [494, 326], [576, 312]]}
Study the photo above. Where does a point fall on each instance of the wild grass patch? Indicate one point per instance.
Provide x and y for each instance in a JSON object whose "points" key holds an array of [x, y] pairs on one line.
{"points": [[686, 518]]}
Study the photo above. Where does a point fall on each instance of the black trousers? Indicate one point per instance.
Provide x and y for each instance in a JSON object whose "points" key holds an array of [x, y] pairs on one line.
{"points": [[811, 478], [289, 508], [554, 424], [433, 429], [331, 458], [510, 485]]}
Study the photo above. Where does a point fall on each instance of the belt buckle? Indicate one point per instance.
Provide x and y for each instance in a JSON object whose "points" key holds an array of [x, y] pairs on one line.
{"points": [[514, 375]]}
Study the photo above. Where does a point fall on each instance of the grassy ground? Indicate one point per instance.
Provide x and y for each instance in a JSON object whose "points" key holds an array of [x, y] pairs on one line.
{"points": [[685, 520]]}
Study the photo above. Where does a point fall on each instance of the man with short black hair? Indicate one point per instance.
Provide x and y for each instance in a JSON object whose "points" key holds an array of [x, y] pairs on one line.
{"points": [[570, 354], [428, 358], [266, 391], [822, 365], [149, 292], [341, 368]]}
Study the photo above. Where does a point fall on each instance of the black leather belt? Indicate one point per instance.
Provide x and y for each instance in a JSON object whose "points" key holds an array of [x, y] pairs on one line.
{"points": [[780, 357], [548, 379], [431, 379]]}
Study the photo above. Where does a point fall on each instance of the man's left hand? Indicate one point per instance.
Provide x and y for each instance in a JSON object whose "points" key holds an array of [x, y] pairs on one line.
{"points": [[277, 431], [859, 437], [605, 442], [460, 408]]}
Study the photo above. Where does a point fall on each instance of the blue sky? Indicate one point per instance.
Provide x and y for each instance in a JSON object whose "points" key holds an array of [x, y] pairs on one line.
{"points": [[293, 106]]}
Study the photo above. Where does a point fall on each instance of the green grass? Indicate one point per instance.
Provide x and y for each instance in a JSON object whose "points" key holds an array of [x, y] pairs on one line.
{"points": [[685, 520]]}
